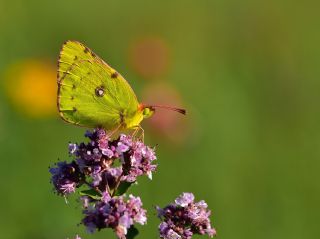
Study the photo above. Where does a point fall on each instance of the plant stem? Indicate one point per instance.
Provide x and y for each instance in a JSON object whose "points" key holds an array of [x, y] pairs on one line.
{"points": [[117, 185]]}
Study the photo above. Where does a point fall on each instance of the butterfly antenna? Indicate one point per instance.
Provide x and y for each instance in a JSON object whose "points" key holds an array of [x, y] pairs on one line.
{"points": [[179, 110]]}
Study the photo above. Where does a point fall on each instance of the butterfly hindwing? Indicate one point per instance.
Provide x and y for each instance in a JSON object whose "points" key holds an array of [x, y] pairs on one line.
{"points": [[90, 92]]}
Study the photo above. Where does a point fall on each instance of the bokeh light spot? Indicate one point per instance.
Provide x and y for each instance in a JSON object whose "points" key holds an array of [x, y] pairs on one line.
{"points": [[149, 57], [31, 87], [165, 123]]}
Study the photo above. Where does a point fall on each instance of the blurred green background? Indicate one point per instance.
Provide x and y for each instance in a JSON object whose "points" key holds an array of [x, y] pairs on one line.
{"points": [[247, 71]]}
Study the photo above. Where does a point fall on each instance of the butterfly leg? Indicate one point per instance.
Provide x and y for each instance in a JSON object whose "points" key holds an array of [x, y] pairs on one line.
{"points": [[137, 129], [142, 133], [113, 131]]}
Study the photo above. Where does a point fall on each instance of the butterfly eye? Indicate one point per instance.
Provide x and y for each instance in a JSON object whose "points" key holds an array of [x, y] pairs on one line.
{"points": [[99, 91]]}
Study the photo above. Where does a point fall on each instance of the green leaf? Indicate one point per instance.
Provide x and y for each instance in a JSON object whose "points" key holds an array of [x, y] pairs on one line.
{"points": [[91, 193], [132, 232], [123, 187]]}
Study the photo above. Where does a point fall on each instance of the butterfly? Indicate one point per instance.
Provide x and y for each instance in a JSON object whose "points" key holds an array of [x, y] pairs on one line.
{"points": [[93, 94]]}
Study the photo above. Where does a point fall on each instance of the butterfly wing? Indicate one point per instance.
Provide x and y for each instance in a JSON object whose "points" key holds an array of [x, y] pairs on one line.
{"points": [[90, 92]]}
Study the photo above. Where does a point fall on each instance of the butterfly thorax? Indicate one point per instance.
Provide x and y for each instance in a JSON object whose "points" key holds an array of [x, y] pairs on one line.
{"points": [[131, 119]]}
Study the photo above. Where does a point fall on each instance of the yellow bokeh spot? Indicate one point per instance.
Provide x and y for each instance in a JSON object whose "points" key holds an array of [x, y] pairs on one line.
{"points": [[31, 87]]}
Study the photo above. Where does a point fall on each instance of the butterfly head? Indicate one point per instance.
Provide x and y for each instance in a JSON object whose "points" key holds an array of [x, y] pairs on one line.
{"points": [[148, 112]]}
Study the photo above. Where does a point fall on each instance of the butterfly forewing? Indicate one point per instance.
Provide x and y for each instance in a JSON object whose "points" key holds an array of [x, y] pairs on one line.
{"points": [[90, 92]]}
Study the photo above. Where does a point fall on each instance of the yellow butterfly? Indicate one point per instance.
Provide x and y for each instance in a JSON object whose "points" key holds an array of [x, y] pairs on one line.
{"points": [[93, 94]]}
